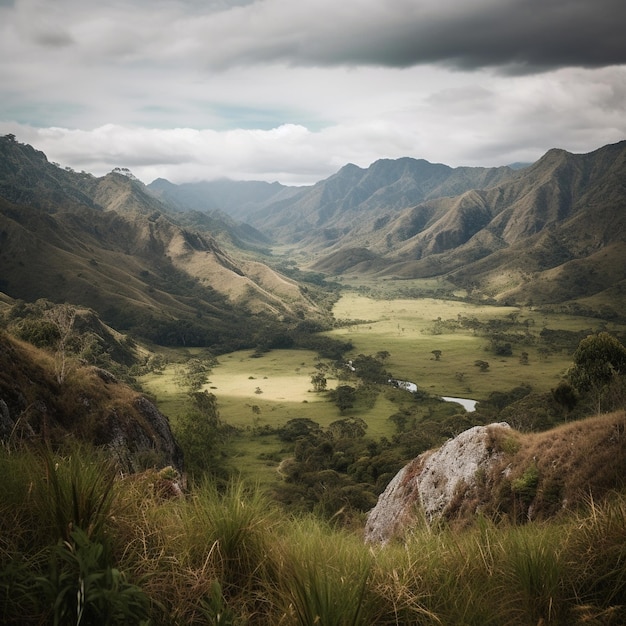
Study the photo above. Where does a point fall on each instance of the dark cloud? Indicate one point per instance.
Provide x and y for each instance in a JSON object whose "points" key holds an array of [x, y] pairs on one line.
{"points": [[519, 36]]}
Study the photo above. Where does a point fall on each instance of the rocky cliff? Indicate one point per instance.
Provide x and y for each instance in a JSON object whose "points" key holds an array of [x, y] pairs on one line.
{"points": [[89, 405]]}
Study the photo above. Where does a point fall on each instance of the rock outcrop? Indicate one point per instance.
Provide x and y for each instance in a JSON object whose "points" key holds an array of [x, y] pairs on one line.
{"points": [[426, 486], [91, 405]]}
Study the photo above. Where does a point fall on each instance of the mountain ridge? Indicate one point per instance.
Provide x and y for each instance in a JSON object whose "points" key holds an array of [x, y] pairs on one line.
{"points": [[108, 244], [533, 235]]}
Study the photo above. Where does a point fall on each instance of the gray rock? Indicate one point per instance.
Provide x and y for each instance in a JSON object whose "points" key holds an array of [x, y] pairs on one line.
{"points": [[425, 486]]}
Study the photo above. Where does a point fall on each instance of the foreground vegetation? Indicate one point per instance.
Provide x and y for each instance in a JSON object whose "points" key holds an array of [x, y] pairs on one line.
{"points": [[81, 545]]}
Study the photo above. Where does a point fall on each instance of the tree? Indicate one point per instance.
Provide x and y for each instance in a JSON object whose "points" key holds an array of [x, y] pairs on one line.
{"points": [[565, 396], [319, 382], [437, 354], [597, 360], [62, 317], [202, 435], [349, 427], [482, 365], [194, 374], [370, 369], [344, 397]]}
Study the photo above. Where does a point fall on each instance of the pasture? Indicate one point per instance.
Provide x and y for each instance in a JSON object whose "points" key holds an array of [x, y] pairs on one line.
{"points": [[411, 329], [258, 394]]}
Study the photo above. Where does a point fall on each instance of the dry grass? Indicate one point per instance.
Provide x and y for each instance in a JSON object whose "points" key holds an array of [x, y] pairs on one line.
{"points": [[230, 558], [553, 472]]}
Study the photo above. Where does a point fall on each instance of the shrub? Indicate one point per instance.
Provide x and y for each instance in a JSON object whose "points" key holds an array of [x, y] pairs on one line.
{"points": [[83, 586]]}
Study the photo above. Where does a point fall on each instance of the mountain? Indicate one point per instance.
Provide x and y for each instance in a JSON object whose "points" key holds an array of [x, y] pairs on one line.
{"points": [[555, 232], [552, 233], [355, 202], [238, 199], [547, 233], [110, 245]]}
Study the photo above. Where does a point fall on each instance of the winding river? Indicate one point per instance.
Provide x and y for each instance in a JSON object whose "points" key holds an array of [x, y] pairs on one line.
{"points": [[466, 403]]}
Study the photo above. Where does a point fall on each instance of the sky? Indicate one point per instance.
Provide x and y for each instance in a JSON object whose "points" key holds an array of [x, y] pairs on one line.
{"points": [[293, 90]]}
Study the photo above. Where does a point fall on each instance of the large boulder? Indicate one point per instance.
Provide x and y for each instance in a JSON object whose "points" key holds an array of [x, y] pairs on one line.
{"points": [[426, 486]]}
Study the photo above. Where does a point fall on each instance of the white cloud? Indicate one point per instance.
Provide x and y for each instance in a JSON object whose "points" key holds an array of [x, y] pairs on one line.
{"points": [[291, 91]]}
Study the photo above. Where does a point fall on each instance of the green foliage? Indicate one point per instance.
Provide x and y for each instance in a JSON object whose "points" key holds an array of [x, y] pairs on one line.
{"points": [[597, 360], [525, 487], [83, 587], [202, 437], [344, 396], [326, 584], [75, 491], [371, 369], [351, 427], [336, 471], [194, 374], [565, 396], [298, 428], [234, 524], [319, 382], [41, 333], [499, 400], [226, 556]]}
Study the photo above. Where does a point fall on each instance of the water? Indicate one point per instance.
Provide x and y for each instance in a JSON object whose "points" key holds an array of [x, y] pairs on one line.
{"points": [[466, 403]]}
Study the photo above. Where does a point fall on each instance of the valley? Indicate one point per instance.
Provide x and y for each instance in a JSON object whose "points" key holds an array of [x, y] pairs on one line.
{"points": [[197, 386], [259, 394]]}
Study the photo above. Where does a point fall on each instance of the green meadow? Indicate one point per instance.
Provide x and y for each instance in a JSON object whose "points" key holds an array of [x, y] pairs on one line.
{"points": [[258, 394], [411, 329]]}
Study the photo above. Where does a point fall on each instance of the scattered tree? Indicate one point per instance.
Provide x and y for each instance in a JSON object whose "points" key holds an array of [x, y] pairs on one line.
{"points": [[349, 427], [344, 397], [437, 354], [202, 436], [482, 365], [62, 317], [319, 382], [565, 396]]}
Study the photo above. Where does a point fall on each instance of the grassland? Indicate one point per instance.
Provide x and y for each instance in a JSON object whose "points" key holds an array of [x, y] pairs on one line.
{"points": [[283, 378], [409, 330], [256, 393]]}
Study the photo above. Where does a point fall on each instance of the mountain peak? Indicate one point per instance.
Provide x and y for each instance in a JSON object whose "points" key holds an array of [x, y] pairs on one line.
{"points": [[124, 171]]}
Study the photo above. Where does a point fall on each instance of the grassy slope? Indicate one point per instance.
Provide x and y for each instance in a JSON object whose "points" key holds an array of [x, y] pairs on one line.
{"points": [[232, 558]]}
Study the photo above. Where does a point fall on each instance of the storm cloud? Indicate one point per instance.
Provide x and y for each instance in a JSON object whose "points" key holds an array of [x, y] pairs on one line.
{"points": [[279, 89]]}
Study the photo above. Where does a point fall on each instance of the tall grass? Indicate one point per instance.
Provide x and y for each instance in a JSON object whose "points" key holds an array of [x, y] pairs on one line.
{"points": [[74, 549], [55, 557], [324, 577], [596, 555]]}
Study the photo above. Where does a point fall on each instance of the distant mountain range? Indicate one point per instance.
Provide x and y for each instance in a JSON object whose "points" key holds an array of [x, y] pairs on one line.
{"points": [[191, 263], [552, 232]]}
